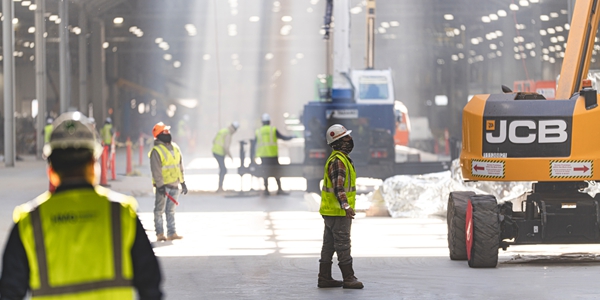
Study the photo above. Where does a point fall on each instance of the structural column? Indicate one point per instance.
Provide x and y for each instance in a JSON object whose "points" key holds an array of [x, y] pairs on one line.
{"points": [[64, 60], [8, 43], [83, 62], [40, 73], [98, 75]]}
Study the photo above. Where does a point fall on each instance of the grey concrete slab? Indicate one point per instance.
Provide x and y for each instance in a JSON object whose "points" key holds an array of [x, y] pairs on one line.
{"points": [[258, 247]]}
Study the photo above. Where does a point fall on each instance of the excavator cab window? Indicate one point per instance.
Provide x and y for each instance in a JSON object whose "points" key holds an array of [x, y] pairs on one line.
{"points": [[373, 87]]}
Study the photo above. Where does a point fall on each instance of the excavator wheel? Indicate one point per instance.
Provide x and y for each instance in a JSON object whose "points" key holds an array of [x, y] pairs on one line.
{"points": [[482, 231], [457, 207]]}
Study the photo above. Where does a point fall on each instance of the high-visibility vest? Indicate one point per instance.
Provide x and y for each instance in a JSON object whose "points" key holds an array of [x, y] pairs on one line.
{"points": [[219, 142], [106, 134], [266, 141], [171, 172], [330, 206], [181, 128], [47, 133], [78, 244]]}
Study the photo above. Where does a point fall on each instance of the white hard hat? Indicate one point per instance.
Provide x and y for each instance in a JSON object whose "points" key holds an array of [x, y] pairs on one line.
{"points": [[108, 120], [73, 130], [235, 125], [266, 117], [49, 120], [336, 132]]}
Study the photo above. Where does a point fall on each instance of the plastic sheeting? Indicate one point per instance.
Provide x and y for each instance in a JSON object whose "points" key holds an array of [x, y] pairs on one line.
{"points": [[427, 195]]}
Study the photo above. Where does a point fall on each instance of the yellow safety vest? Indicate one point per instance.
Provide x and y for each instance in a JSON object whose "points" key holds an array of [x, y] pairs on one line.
{"points": [[181, 129], [330, 206], [106, 134], [266, 141], [171, 172], [219, 142], [47, 133], [78, 244]]}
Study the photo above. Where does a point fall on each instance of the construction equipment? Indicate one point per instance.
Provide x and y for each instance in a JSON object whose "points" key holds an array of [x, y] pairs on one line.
{"points": [[519, 136], [362, 101]]}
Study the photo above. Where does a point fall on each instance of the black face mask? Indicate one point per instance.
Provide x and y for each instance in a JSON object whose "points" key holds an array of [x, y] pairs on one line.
{"points": [[165, 138], [347, 146]]}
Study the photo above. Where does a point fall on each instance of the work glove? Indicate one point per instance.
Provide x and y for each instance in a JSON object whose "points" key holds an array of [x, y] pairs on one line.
{"points": [[161, 190], [184, 189]]}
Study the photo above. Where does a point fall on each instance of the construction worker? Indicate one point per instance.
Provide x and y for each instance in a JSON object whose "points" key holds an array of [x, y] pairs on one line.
{"points": [[48, 130], [220, 149], [338, 198], [268, 151], [107, 132], [166, 163], [82, 241]]}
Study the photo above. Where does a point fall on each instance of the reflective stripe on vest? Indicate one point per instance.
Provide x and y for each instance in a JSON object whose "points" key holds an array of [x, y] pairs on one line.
{"points": [[171, 172], [266, 141], [330, 206], [219, 142], [80, 217], [106, 135]]}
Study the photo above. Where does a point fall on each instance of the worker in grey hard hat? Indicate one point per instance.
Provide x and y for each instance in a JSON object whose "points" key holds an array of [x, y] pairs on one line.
{"points": [[90, 234], [106, 132], [48, 130], [220, 149], [268, 151]]}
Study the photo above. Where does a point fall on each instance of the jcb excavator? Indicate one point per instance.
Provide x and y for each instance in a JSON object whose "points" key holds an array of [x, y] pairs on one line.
{"points": [[517, 136]]}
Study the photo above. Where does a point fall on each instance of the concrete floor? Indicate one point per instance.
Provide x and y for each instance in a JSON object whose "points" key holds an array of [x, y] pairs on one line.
{"points": [[244, 246]]}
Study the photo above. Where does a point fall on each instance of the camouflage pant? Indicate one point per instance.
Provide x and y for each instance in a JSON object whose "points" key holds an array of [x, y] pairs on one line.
{"points": [[336, 238]]}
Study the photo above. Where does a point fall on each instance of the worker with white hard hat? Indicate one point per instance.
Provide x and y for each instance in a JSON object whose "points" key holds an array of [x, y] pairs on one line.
{"points": [[107, 132], [220, 149], [338, 198], [268, 151], [48, 129], [81, 241]]}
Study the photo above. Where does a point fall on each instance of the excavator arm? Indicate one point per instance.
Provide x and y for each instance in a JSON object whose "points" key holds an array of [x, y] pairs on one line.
{"points": [[575, 67]]}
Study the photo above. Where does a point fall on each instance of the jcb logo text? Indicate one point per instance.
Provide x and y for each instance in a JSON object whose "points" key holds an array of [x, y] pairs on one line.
{"points": [[526, 131]]}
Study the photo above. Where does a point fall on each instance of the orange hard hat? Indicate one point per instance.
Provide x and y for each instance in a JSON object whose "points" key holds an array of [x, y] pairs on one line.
{"points": [[159, 128]]}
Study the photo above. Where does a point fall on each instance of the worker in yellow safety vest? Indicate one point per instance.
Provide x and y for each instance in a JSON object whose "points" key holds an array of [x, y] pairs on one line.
{"points": [[107, 132], [166, 164], [220, 149], [267, 150], [338, 198], [82, 241], [48, 130]]}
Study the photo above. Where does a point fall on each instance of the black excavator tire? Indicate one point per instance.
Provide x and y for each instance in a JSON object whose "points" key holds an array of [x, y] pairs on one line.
{"points": [[457, 207], [486, 232]]}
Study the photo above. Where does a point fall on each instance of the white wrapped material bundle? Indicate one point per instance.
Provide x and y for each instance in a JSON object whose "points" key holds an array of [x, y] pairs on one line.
{"points": [[425, 195]]}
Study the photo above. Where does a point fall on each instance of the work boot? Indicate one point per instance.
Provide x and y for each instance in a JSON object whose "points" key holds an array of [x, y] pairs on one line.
{"points": [[174, 236], [220, 190], [325, 279], [160, 237], [282, 192], [266, 193], [350, 281]]}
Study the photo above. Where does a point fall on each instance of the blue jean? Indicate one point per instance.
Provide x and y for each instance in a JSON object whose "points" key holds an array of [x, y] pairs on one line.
{"points": [[164, 205]]}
